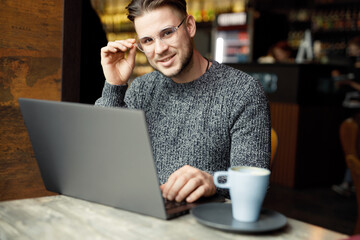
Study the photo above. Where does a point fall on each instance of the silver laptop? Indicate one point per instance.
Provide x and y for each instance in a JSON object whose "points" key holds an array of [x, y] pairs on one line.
{"points": [[98, 154]]}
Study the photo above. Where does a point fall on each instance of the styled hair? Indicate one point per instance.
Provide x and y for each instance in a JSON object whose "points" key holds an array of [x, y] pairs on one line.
{"points": [[137, 8]]}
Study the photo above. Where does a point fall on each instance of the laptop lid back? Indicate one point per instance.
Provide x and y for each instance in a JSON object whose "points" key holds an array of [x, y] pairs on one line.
{"points": [[93, 153]]}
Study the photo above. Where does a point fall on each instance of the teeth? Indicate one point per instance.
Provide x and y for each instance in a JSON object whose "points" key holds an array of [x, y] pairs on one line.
{"points": [[167, 59]]}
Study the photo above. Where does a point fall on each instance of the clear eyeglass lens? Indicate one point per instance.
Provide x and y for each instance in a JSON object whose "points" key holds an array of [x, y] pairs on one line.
{"points": [[146, 44], [167, 33]]}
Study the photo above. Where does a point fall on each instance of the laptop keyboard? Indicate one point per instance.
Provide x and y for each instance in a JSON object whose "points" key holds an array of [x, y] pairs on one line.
{"points": [[173, 204], [174, 209]]}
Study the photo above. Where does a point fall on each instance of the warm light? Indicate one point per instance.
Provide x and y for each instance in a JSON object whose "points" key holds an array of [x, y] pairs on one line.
{"points": [[232, 19], [219, 50]]}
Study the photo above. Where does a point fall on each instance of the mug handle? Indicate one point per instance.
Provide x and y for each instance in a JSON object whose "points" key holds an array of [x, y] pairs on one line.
{"points": [[221, 174]]}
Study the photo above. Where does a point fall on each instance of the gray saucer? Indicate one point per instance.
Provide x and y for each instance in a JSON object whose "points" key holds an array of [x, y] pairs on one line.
{"points": [[219, 215]]}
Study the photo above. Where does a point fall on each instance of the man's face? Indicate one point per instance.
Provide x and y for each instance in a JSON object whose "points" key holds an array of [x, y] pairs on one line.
{"points": [[353, 50], [170, 59], [281, 55]]}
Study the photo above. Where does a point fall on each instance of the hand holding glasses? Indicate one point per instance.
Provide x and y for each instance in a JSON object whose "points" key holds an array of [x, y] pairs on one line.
{"points": [[118, 67]]}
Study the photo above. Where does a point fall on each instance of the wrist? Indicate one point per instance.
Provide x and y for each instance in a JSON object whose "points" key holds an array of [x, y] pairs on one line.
{"points": [[112, 89], [117, 83]]}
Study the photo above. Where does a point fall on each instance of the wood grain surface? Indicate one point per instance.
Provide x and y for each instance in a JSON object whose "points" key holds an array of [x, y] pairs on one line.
{"points": [[30, 66]]}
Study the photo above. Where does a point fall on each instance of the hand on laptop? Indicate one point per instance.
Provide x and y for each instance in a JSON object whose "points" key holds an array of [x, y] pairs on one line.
{"points": [[118, 69], [188, 183]]}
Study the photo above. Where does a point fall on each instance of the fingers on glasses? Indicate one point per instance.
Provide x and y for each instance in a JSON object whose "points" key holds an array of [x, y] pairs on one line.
{"points": [[120, 45]]}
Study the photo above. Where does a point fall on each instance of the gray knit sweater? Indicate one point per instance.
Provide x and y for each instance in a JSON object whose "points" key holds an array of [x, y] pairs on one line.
{"points": [[217, 121]]}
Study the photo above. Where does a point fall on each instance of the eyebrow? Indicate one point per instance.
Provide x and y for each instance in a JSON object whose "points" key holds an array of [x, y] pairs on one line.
{"points": [[151, 36]]}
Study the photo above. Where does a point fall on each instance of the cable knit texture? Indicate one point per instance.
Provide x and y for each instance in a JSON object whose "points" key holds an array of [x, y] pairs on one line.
{"points": [[219, 120]]}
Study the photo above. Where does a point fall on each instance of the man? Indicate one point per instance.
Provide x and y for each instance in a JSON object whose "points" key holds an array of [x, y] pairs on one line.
{"points": [[347, 188], [202, 116]]}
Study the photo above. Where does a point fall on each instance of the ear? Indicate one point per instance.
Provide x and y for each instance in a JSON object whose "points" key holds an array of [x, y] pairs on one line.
{"points": [[191, 25]]}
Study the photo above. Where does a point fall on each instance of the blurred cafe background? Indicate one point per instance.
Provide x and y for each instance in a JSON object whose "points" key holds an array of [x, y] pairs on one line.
{"points": [[306, 54]]}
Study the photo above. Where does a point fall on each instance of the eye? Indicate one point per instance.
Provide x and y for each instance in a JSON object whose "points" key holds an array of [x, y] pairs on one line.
{"points": [[166, 33], [146, 41]]}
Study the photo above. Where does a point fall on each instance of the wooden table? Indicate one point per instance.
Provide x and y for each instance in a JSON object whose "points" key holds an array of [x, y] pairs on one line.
{"points": [[62, 217]]}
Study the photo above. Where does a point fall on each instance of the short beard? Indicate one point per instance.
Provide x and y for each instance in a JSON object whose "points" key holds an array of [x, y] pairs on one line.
{"points": [[185, 64]]}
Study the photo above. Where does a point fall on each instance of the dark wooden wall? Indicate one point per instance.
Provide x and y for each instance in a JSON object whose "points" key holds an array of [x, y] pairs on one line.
{"points": [[83, 37], [309, 152], [30, 66], [284, 119]]}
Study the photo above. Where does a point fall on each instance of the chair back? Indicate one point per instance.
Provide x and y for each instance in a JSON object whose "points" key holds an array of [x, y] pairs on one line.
{"points": [[274, 146], [349, 137]]}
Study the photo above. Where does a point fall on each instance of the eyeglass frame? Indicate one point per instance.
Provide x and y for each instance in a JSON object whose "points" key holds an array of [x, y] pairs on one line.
{"points": [[174, 31]]}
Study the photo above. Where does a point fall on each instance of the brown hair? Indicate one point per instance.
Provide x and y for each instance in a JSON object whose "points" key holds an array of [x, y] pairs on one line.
{"points": [[137, 8]]}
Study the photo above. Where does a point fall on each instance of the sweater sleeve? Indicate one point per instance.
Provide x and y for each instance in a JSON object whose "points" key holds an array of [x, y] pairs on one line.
{"points": [[112, 96], [251, 128]]}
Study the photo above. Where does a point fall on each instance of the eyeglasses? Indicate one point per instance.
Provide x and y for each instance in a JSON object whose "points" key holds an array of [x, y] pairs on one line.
{"points": [[167, 36]]}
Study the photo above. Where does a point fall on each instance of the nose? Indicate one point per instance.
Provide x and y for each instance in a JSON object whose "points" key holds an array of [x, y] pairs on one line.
{"points": [[160, 46]]}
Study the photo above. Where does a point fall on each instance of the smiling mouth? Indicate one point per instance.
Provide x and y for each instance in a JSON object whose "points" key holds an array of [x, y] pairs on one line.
{"points": [[166, 59]]}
